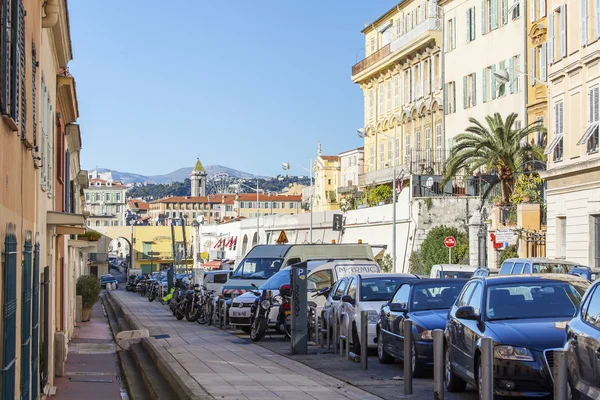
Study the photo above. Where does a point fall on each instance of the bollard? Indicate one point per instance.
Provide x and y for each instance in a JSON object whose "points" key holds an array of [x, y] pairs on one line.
{"points": [[348, 331], [438, 364], [364, 338], [334, 338], [328, 328], [407, 330], [317, 328], [341, 338], [560, 375], [487, 365]]}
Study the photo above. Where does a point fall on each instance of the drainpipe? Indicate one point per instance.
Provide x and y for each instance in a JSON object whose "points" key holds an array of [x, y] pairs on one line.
{"points": [[51, 8]]}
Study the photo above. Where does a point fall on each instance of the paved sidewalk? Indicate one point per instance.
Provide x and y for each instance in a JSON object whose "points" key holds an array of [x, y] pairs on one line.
{"points": [[91, 367], [231, 368]]}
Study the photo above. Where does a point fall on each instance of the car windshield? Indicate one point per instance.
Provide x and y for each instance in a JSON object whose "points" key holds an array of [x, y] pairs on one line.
{"points": [[257, 268], [551, 268], [456, 274], [550, 299], [435, 296], [380, 289]]}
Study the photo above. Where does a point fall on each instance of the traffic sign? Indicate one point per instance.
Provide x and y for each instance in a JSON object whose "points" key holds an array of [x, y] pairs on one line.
{"points": [[450, 242], [338, 221], [282, 237]]}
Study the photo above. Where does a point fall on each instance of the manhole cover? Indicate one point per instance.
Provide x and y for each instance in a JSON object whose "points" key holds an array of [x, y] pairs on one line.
{"points": [[161, 336], [90, 380]]}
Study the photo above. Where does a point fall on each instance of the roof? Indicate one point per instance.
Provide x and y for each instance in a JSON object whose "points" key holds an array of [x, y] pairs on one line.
{"points": [[383, 17], [268, 197], [199, 167], [211, 199], [331, 158], [139, 204], [104, 182]]}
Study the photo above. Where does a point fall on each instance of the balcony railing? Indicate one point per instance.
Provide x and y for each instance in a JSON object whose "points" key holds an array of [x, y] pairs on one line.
{"points": [[430, 24], [372, 59], [416, 162], [98, 257]]}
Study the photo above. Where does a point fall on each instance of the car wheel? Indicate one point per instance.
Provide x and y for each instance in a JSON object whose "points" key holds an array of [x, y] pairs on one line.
{"points": [[382, 355], [418, 369], [453, 382], [355, 341]]}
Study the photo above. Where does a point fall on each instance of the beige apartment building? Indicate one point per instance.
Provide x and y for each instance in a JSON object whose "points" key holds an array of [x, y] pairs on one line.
{"points": [[326, 172], [106, 203], [401, 79], [573, 173]]}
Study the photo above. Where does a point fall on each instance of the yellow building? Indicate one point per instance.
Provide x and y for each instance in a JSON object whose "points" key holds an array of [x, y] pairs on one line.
{"points": [[573, 174], [537, 50], [326, 172], [402, 84]]}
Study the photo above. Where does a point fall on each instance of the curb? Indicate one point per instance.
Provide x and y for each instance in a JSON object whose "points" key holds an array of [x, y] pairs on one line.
{"points": [[173, 372]]}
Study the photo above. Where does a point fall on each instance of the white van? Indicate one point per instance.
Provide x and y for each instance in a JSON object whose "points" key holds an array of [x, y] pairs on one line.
{"points": [[452, 271], [321, 274], [264, 261]]}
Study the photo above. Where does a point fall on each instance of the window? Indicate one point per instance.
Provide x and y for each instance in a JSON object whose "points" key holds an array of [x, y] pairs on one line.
{"points": [[372, 45], [463, 299], [381, 154], [118, 196], [475, 300], [321, 278], [515, 9], [291, 205], [329, 181], [557, 32], [597, 20], [370, 103], [428, 145], [590, 137], [372, 158], [43, 155], [352, 288], [397, 151], [380, 110], [501, 87], [399, 24], [389, 155], [470, 24], [596, 222], [556, 145], [438, 142], [396, 83], [418, 148], [592, 312], [401, 296], [340, 289], [389, 96], [450, 97], [407, 148], [450, 43], [561, 230], [583, 27], [469, 89]]}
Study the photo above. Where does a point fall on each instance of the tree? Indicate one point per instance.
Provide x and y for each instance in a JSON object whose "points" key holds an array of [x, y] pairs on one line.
{"points": [[498, 147], [509, 252], [434, 251], [386, 263]]}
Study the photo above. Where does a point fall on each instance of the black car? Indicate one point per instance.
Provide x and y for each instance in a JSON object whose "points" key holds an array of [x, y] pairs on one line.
{"points": [[426, 303], [525, 315], [583, 347]]}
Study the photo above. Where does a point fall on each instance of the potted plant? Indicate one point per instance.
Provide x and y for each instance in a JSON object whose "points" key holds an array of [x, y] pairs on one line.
{"points": [[88, 287], [90, 235], [526, 189]]}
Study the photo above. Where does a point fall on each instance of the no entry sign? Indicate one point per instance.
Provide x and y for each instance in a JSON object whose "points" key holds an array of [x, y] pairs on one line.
{"points": [[450, 242]]}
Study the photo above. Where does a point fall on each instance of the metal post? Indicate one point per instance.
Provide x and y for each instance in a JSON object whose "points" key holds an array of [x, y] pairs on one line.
{"points": [[311, 200], [324, 318], [407, 330], [334, 339], [394, 213], [340, 336], [487, 373], [449, 255], [317, 327], [348, 330], [257, 214], [560, 375], [364, 338], [438, 364]]}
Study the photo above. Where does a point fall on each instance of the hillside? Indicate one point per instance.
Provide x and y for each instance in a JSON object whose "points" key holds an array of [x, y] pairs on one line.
{"points": [[178, 175]]}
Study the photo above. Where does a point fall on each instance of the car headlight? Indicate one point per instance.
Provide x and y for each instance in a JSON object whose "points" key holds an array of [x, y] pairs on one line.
{"points": [[513, 353], [265, 304], [426, 335], [372, 317]]}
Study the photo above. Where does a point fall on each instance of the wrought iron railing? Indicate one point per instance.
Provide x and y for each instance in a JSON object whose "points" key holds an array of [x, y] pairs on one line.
{"points": [[370, 60], [98, 257]]}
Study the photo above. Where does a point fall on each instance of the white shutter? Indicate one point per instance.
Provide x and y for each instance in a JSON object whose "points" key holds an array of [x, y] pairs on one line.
{"points": [[422, 13], [532, 53], [583, 25], [468, 25], [532, 10], [483, 17], [563, 31], [542, 6], [402, 98], [595, 104], [472, 23], [453, 43], [543, 63], [494, 5], [551, 38], [440, 72], [597, 19], [421, 79], [430, 76], [560, 118]]}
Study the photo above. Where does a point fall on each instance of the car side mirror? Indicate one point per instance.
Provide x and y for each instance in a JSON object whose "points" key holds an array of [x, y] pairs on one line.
{"points": [[311, 286], [347, 299], [466, 312], [398, 307]]}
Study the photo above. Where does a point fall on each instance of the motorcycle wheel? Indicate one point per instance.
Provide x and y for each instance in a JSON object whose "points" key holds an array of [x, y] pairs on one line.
{"points": [[192, 315], [151, 296], [209, 313], [202, 317], [259, 328], [178, 314]]}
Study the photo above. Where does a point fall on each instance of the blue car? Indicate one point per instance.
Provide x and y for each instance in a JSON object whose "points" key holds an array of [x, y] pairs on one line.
{"points": [[104, 279]]}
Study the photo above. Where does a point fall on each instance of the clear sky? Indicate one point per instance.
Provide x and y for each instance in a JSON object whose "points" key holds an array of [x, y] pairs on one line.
{"points": [[245, 84]]}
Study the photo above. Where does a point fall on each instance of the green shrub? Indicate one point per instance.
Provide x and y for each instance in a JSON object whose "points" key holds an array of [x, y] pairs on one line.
{"points": [[386, 263], [434, 251], [88, 287], [509, 252]]}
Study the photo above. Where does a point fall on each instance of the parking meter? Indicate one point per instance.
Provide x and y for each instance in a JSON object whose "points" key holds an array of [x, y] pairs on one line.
{"points": [[299, 340]]}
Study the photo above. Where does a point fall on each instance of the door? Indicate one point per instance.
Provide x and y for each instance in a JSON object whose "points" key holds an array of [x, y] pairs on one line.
{"points": [[397, 320], [349, 308], [456, 330], [587, 347], [94, 270], [472, 333]]}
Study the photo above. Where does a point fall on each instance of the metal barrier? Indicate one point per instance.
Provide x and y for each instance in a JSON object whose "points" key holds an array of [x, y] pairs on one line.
{"points": [[325, 329], [364, 338], [316, 320], [408, 347], [438, 364], [487, 371], [343, 337], [334, 334], [561, 389]]}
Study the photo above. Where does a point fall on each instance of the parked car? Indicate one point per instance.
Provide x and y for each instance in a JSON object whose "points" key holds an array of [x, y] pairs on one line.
{"points": [[214, 280], [426, 303], [525, 316], [451, 271], [366, 292], [104, 279], [591, 274], [485, 271], [537, 265], [583, 347]]}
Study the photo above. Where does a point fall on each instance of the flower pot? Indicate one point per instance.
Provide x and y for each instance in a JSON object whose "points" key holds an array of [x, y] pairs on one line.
{"points": [[86, 315]]}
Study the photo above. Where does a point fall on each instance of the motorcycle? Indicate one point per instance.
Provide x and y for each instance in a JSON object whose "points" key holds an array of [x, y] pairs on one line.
{"points": [[154, 291], [284, 318], [259, 312], [177, 299], [131, 283], [193, 309]]}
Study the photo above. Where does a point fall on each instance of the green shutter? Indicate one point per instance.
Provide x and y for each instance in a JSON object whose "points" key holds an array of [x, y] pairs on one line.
{"points": [[446, 98], [503, 86], [494, 13], [493, 85], [511, 72], [505, 12], [484, 85], [465, 91], [483, 17], [474, 89]]}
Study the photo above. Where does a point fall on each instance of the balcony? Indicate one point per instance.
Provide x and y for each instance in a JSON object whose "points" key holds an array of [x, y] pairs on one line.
{"points": [[422, 31], [97, 258], [372, 59]]}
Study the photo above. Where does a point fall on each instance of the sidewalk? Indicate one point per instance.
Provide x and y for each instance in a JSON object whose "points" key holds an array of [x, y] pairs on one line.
{"points": [[228, 367], [91, 367]]}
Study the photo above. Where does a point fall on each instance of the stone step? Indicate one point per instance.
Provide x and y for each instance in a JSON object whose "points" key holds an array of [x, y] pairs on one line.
{"points": [[157, 386]]}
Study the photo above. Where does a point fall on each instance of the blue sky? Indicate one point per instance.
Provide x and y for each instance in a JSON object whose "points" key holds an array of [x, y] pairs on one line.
{"points": [[245, 84]]}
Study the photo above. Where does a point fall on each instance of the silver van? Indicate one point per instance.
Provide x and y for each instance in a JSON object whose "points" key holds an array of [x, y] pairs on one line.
{"points": [[537, 265]]}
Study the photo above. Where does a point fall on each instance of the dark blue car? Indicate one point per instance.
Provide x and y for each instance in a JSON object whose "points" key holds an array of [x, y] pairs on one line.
{"points": [[104, 279], [426, 303]]}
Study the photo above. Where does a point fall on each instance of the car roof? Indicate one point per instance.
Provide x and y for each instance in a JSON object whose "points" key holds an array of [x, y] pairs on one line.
{"points": [[385, 275], [440, 280], [541, 260], [528, 278]]}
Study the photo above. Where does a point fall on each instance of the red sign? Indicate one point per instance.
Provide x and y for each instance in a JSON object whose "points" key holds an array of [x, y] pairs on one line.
{"points": [[450, 242]]}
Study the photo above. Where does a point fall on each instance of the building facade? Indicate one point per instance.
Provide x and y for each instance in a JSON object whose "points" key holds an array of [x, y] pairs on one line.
{"points": [[573, 172], [537, 67], [198, 180], [351, 167], [401, 79], [326, 173], [472, 29], [106, 203]]}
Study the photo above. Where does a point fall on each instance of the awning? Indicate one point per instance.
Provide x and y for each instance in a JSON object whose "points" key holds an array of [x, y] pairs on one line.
{"points": [[212, 265], [61, 218], [588, 133], [553, 144]]}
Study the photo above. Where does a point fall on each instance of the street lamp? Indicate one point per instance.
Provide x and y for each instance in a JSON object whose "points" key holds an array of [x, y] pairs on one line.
{"points": [[286, 167], [257, 190], [362, 132]]}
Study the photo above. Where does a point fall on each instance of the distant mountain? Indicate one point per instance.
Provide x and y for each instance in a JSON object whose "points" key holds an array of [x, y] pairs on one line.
{"points": [[176, 176]]}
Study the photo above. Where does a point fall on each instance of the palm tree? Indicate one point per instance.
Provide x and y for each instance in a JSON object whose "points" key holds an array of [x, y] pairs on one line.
{"points": [[497, 146]]}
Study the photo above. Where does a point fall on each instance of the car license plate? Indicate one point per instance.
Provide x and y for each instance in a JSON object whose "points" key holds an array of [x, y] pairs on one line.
{"points": [[240, 313]]}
